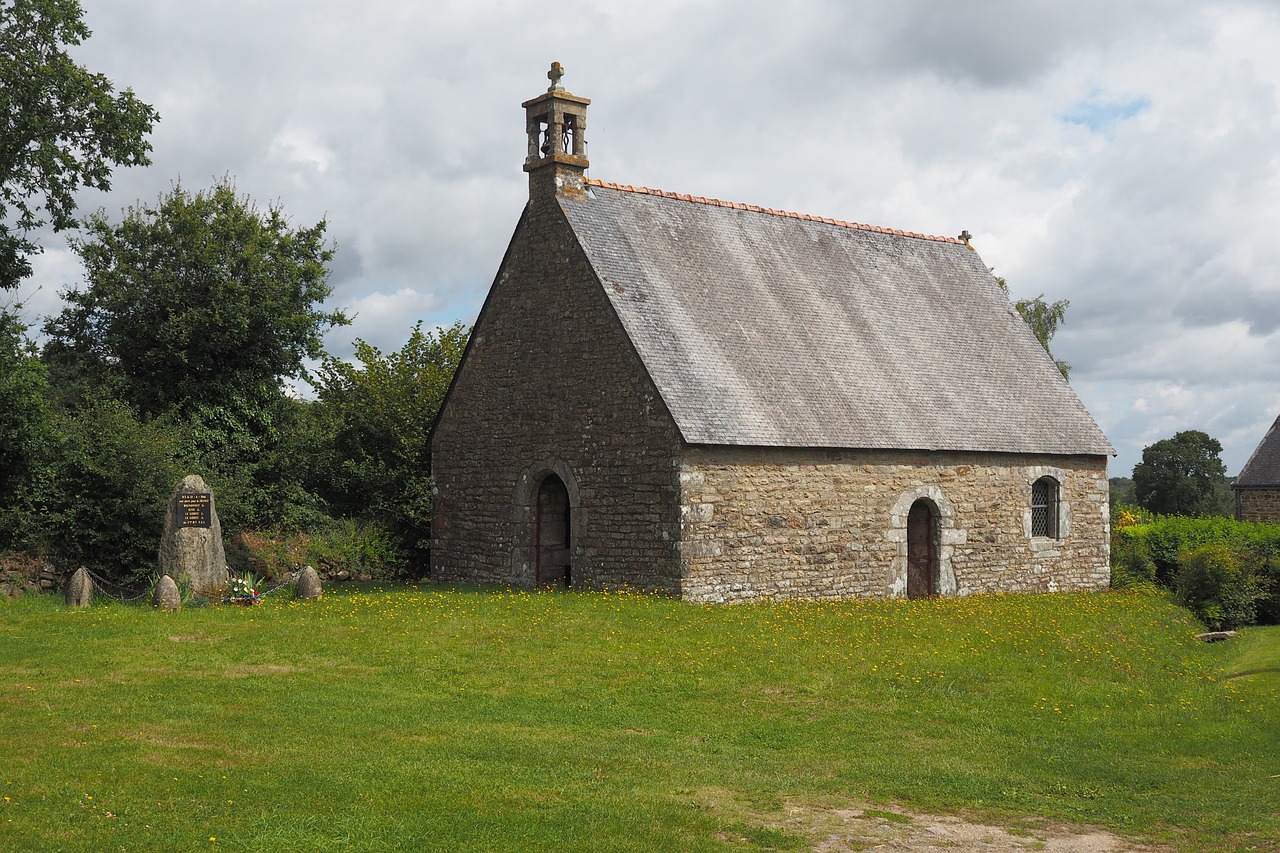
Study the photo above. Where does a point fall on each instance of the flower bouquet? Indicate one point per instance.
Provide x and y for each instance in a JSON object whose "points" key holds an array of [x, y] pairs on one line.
{"points": [[243, 591]]}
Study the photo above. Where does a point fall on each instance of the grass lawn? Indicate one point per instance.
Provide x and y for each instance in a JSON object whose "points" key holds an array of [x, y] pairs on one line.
{"points": [[462, 719]]}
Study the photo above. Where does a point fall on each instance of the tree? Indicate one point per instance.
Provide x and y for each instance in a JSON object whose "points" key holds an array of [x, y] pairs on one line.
{"points": [[201, 304], [22, 405], [61, 127], [198, 308], [1043, 318], [378, 416], [24, 427], [1121, 491], [1183, 475]]}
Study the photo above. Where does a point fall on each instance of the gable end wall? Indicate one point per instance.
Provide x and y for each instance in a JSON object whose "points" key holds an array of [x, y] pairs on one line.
{"points": [[829, 524], [551, 383]]}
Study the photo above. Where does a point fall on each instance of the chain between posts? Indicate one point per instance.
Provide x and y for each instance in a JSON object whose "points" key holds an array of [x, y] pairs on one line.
{"points": [[100, 585]]}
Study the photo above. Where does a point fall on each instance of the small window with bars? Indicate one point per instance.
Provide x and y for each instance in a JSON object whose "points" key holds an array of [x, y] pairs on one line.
{"points": [[1044, 508]]}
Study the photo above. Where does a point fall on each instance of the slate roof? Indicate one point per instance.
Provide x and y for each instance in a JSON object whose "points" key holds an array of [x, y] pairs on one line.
{"points": [[767, 328], [1263, 467]]}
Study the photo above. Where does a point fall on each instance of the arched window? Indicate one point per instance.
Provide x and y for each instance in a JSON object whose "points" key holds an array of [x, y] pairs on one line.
{"points": [[1044, 508]]}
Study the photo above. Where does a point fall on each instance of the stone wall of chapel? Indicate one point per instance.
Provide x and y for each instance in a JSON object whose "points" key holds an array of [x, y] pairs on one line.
{"points": [[823, 524], [1258, 505], [551, 383]]}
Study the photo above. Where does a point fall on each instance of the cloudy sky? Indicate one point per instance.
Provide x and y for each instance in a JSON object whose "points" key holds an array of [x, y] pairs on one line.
{"points": [[1122, 155]]}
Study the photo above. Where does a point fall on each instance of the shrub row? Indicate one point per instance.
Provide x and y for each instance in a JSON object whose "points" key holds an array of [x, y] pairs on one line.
{"points": [[366, 550], [1226, 571]]}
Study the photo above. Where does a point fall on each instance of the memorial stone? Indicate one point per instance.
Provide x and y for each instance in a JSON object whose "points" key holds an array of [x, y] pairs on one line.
{"points": [[80, 589], [192, 543], [166, 596]]}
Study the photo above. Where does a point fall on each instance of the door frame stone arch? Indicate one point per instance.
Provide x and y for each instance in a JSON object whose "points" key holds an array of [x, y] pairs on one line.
{"points": [[524, 513], [949, 536]]}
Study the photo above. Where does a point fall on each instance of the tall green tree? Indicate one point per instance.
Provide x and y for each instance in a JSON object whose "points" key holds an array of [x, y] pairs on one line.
{"points": [[201, 303], [1043, 318], [377, 415], [62, 127], [1182, 475], [198, 308]]}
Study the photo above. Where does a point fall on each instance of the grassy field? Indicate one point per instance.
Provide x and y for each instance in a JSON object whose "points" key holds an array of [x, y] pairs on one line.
{"points": [[433, 718]]}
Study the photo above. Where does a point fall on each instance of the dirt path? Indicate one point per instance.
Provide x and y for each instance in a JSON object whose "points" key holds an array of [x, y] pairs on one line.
{"points": [[847, 827], [929, 833]]}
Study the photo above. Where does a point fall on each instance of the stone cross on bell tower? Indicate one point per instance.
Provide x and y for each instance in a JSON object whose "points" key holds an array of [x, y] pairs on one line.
{"points": [[556, 122]]}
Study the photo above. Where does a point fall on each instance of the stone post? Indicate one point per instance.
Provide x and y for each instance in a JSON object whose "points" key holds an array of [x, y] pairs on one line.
{"points": [[192, 541], [166, 595], [308, 584], [80, 589]]}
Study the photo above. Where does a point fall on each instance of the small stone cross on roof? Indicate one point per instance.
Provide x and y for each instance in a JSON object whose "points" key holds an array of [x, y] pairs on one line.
{"points": [[554, 75]]}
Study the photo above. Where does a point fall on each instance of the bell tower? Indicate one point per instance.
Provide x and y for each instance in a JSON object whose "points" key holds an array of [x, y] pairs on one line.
{"points": [[556, 122]]}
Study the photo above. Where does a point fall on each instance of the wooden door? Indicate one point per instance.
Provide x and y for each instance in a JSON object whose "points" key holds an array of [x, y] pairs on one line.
{"points": [[922, 556], [551, 532]]}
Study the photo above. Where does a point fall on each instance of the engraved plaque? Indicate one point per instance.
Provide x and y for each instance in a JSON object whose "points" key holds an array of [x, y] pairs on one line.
{"points": [[194, 509]]}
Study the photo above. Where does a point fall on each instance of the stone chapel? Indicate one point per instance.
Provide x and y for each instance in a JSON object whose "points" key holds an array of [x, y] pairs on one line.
{"points": [[1258, 486], [724, 402]]}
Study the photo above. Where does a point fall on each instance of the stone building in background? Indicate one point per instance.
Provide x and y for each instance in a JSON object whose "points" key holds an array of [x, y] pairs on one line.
{"points": [[724, 402], [1258, 486]]}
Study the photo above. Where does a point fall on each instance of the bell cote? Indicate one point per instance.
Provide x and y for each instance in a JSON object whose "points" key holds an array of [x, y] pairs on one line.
{"points": [[556, 123]]}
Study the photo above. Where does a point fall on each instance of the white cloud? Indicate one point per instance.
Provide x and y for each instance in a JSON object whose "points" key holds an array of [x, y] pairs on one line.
{"points": [[381, 318], [300, 147]]}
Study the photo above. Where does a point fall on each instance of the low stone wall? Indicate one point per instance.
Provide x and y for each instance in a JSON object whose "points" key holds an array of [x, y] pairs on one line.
{"points": [[1258, 505], [20, 574], [827, 524]]}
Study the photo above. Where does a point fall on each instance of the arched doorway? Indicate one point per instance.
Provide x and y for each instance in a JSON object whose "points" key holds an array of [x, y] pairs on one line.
{"points": [[551, 531], [922, 550]]}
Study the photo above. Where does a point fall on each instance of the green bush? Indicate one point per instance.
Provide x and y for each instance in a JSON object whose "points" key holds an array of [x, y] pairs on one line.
{"points": [[360, 547], [24, 431], [1236, 581], [1217, 582], [1127, 514], [260, 480], [364, 549], [1266, 562], [370, 456], [1131, 563], [1168, 536], [105, 499]]}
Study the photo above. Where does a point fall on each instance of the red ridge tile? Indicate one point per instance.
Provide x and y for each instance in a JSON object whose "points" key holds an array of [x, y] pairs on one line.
{"points": [[693, 199]]}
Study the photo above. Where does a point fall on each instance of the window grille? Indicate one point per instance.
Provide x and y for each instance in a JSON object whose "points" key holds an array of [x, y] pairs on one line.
{"points": [[1044, 508]]}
